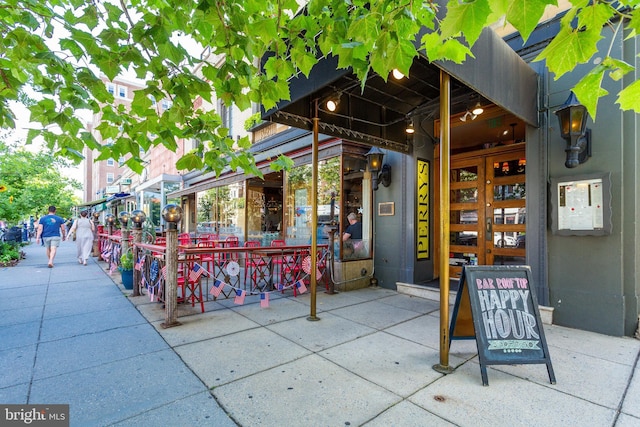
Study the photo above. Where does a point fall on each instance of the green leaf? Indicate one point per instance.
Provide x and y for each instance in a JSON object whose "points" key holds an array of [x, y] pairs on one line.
{"points": [[589, 89], [634, 23], [468, 18], [629, 97], [568, 48], [617, 68], [525, 15], [450, 49], [595, 16], [281, 163]]}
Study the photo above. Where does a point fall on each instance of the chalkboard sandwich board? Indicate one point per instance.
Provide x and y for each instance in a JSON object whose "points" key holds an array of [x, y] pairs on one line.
{"points": [[506, 320]]}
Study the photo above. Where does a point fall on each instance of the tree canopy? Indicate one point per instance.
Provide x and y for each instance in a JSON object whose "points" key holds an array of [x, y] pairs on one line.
{"points": [[30, 182], [58, 49]]}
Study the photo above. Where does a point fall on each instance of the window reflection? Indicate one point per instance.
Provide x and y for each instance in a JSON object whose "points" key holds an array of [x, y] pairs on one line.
{"points": [[279, 207], [509, 167], [221, 211], [464, 195], [509, 216], [464, 174], [509, 192], [464, 217]]}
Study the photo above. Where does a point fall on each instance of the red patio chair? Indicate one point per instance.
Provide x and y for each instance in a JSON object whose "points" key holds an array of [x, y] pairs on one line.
{"points": [[255, 266], [232, 242], [192, 289], [208, 259], [277, 260]]}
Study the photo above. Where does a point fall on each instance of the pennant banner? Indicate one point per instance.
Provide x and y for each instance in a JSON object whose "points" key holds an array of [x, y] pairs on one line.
{"points": [[300, 287], [217, 288], [196, 272], [264, 299], [240, 294]]}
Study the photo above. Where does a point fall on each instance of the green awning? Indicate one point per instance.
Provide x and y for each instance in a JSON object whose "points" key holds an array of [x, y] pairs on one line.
{"points": [[92, 203]]}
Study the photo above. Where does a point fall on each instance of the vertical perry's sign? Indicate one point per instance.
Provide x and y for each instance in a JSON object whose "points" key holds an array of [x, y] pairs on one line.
{"points": [[506, 320], [422, 210]]}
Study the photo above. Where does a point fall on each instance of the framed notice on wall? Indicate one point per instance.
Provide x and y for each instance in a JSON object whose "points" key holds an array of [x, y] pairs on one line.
{"points": [[386, 209], [422, 211], [581, 205]]}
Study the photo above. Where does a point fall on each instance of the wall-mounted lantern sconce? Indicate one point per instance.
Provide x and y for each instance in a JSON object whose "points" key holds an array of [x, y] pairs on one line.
{"points": [[124, 218], [109, 219], [138, 217], [573, 127], [172, 214], [96, 216], [379, 172]]}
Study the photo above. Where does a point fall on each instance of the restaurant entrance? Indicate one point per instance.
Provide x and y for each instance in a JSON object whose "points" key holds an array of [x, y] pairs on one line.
{"points": [[487, 208]]}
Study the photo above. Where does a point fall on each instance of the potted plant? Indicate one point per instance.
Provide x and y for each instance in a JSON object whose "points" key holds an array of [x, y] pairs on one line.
{"points": [[126, 269]]}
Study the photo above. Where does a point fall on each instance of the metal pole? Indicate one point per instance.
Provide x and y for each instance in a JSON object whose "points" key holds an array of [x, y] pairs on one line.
{"points": [[314, 216], [171, 281], [96, 238], [124, 243], [110, 233], [445, 136], [137, 238]]}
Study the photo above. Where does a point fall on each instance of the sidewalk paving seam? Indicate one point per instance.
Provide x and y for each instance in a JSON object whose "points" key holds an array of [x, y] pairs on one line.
{"points": [[35, 356], [626, 389]]}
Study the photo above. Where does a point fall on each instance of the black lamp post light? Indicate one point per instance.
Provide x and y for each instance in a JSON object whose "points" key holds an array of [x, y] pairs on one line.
{"points": [[124, 218], [172, 214], [573, 127], [138, 217]]}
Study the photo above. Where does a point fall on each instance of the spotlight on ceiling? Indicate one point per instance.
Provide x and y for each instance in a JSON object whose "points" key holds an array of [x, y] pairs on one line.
{"points": [[397, 74], [410, 130], [468, 115], [332, 104], [477, 110]]}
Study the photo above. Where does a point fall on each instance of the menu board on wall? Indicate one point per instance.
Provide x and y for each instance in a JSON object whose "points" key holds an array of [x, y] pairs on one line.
{"points": [[581, 205], [506, 320]]}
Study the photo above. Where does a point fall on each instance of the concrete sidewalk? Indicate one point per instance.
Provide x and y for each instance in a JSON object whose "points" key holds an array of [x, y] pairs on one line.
{"points": [[70, 335]]}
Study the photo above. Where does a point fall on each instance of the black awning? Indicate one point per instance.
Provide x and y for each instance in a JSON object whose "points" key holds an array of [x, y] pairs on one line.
{"points": [[378, 114]]}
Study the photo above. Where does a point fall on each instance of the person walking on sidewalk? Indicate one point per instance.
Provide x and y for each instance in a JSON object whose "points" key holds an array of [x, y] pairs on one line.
{"points": [[52, 231], [83, 229]]}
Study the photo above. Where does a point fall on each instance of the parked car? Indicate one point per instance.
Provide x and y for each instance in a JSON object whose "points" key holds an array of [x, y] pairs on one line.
{"points": [[499, 240], [521, 241], [503, 241]]}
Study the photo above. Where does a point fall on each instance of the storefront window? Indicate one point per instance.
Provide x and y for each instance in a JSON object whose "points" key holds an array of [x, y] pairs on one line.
{"points": [[298, 203], [279, 207], [170, 187], [264, 208], [222, 211], [151, 202], [336, 200], [357, 201]]}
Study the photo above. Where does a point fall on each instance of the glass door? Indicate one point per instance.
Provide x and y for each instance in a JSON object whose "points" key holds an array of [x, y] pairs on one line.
{"points": [[466, 214], [487, 209], [505, 213]]}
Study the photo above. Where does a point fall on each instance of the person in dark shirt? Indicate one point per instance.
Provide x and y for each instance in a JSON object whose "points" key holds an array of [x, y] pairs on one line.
{"points": [[52, 230], [354, 230]]}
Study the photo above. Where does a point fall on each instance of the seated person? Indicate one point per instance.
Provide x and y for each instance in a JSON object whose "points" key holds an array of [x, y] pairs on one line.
{"points": [[352, 237]]}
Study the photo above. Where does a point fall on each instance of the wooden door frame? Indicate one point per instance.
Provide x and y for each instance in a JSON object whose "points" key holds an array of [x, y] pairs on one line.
{"points": [[495, 151]]}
